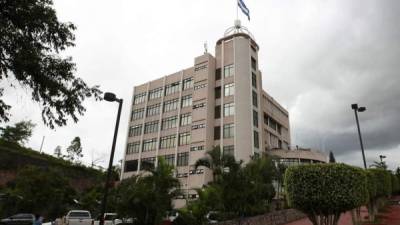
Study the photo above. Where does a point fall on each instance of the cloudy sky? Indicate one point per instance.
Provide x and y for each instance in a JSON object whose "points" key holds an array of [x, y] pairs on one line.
{"points": [[317, 57]]}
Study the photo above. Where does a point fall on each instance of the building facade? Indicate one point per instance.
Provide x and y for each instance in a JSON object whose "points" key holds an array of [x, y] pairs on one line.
{"points": [[219, 101]]}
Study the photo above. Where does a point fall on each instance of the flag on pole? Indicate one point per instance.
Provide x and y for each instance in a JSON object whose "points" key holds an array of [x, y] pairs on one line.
{"points": [[244, 8]]}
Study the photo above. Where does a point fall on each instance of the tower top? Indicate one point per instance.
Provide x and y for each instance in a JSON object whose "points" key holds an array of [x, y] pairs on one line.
{"points": [[238, 28]]}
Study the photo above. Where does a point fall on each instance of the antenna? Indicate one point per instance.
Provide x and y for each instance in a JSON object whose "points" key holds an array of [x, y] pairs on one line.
{"points": [[205, 47]]}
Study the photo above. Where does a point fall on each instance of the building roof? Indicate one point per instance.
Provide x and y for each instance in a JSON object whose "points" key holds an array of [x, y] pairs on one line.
{"points": [[299, 154]]}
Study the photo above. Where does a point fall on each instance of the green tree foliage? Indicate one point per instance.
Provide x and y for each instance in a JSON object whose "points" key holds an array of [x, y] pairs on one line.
{"points": [[216, 161], [324, 191], [383, 179], [380, 165], [148, 197], [19, 133], [39, 190], [331, 157], [31, 40], [74, 150], [239, 190], [395, 184]]}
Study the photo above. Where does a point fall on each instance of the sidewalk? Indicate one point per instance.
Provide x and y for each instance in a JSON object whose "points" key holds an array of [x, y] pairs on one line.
{"points": [[345, 219]]}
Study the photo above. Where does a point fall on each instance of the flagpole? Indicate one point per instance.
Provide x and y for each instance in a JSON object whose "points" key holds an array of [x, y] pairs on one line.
{"points": [[237, 9]]}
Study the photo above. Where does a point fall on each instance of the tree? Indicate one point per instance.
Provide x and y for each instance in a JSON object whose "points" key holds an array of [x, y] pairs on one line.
{"points": [[379, 165], [325, 191], [331, 157], [57, 151], [40, 190], [148, 197], [75, 149], [19, 133], [216, 161], [31, 40]]}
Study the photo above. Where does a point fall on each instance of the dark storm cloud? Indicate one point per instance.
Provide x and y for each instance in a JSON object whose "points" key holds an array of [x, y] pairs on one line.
{"points": [[358, 64]]}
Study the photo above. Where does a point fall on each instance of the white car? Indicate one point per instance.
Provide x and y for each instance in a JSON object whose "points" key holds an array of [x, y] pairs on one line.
{"points": [[109, 219], [78, 217]]}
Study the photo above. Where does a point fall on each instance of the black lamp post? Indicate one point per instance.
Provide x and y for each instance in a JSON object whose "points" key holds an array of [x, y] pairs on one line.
{"points": [[110, 97], [356, 110]]}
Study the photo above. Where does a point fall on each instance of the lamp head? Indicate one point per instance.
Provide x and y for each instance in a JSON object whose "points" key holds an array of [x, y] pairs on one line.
{"points": [[354, 106], [110, 97], [362, 109]]}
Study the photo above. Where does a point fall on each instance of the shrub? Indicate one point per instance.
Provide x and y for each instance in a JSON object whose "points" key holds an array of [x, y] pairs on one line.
{"points": [[383, 179], [324, 191], [395, 184], [372, 184]]}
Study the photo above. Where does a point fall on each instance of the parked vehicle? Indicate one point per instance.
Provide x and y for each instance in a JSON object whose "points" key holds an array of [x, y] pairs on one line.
{"points": [[78, 217], [19, 219], [109, 219]]}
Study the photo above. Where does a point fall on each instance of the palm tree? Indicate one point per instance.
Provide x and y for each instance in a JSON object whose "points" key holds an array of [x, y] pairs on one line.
{"points": [[379, 165], [217, 162]]}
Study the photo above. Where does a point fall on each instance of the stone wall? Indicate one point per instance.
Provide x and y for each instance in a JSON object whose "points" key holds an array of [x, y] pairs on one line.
{"points": [[274, 218]]}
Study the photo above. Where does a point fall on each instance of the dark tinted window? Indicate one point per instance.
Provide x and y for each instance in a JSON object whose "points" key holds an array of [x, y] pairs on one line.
{"points": [[217, 92], [217, 113], [218, 74], [79, 214], [217, 133]]}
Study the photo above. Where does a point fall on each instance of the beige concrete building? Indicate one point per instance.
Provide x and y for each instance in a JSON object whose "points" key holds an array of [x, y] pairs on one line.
{"points": [[298, 156], [217, 101]]}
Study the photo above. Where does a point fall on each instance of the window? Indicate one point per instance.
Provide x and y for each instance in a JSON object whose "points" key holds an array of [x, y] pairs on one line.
{"points": [[183, 159], [218, 74], [139, 98], [229, 89], [229, 130], [187, 83], [217, 92], [171, 88], [196, 148], [151, 127], [229, 109], [256, 139], [131, 165], [169, 159], [155, 93], [228, 70], [147, 163], [199, 86], [133, 147], [228, 150], [186, 101], [199, 105], [198, 126], [171, 105], [255, 118], [217, 112], [137, 114], [153, 110], [149, 145], [168, 141], [169, 122], [254, 80], [135, 130], [186, 119], [200, 67], [255, 100], [253, 63], [217, 133], [184, 138]]}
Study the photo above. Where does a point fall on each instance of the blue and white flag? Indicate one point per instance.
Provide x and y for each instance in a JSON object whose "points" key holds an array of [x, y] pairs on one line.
{"points": [[244, 8]]}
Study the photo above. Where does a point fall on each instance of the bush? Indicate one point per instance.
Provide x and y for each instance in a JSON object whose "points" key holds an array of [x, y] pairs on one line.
{"points": [[372, 184], [395, 184], [383, 179], [324, 191]]}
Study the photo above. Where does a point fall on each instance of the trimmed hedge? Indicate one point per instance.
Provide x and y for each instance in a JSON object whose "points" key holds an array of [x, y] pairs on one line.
{"points": [[372, 184], [395, 184], [383, 180], [326, 189]]}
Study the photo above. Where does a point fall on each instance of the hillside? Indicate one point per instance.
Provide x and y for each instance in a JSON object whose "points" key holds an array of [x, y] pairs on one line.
{"points": [[14, 157]]}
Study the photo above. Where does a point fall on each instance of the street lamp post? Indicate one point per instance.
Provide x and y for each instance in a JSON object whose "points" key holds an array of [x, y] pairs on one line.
{"points": [[382, 157], [356, 110], [110, 97]]}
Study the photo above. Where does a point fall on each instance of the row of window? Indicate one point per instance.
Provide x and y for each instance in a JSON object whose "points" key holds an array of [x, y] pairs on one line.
{"points": [[168, 106], [166, 123], [273, 124], [228, 131], [165, 142], [167, 90], [182, 159]]}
